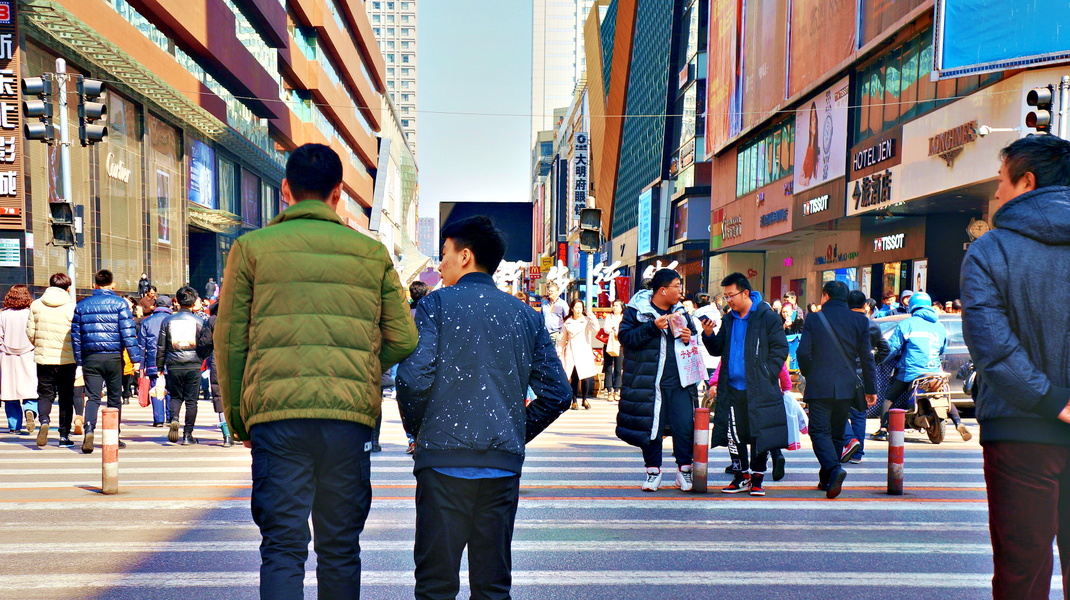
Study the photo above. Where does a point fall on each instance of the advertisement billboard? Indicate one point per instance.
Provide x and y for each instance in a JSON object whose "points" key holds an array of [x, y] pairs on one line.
{"points": [[722, 106], [250, 195], [645, 244], [202, 175], [823, 35], [982, 36], [765, 40], [878, 16], [821, 137]]}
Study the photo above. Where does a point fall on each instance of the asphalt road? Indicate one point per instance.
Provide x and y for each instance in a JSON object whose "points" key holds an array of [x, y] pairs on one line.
{"points": [[180, 528]]}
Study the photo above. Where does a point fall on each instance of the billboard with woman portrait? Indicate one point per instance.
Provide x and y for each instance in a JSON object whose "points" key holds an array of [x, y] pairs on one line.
{"points": [[821, 137]]}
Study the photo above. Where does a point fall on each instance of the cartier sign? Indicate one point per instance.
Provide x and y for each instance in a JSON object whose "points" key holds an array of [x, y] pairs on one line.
{"points": [[117, 169]]}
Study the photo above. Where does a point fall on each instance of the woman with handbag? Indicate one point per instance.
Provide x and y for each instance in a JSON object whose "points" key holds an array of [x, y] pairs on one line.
{"points": [[577, 354], [613, 359]]}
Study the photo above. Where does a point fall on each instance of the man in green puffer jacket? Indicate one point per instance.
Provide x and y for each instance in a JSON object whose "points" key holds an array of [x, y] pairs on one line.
{"points": [[311, 314]]}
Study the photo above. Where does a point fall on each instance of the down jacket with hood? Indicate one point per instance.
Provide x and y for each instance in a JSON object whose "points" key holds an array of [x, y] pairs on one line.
{"points": [[768, 345], [103, 324], [645, 348], [49, 327], [917, 345], [1014, 285]]}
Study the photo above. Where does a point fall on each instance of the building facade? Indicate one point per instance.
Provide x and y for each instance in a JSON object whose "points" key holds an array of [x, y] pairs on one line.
{"points": [[426, 236], [394, 23], [558, 61], [205, 99]]}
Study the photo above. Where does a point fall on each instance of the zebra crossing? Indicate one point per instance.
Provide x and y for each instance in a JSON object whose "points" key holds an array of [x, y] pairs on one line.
{"points": [[181, 525]]}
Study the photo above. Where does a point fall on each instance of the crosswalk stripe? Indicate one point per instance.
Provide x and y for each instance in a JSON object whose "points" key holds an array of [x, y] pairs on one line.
{"points": [[379, 460], [95, 468], [607, 578], [525, 484], [554, 546]]}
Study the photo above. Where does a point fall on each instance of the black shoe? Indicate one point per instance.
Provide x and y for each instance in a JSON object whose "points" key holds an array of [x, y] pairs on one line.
{"points": [[881, 435], [189, 440], [126, 401], [172, 433], [157, 424], [586, 404], [778, 467], [836, 483], [730, 470], [87, 441], [65, 440], [122, 444], [377, 448]]}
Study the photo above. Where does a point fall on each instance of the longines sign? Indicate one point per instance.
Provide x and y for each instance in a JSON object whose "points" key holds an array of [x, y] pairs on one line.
{"points": [[949, 144]]}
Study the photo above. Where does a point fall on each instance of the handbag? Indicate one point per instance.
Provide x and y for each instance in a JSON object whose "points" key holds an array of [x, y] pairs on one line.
{"points": [[143, 391], [859, 401], [602, 336]]}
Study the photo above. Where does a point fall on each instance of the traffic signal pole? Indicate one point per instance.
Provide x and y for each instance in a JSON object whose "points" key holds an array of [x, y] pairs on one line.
{"points": [[65, 159], [1064, 98]]}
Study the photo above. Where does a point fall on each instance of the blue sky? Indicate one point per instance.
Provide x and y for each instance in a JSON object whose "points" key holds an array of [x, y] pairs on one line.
{"points": [[474, 57]]}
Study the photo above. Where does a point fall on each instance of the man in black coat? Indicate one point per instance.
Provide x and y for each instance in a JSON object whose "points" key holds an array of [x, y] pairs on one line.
{"points": [[831, 379], [749, 415], [856, 427]]}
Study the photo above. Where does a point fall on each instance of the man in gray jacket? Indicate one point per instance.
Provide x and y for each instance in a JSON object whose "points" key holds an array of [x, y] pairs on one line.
{"points": [[1011, 279]]}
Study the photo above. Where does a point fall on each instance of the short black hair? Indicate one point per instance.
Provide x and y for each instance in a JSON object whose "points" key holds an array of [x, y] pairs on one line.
{"points": [[417, 290], [702, 300], [186, 296], [313, 171], [856, 299], [1047, 157], [103, 278], [738, 280], [956, 304], [872, 304], [481, 236], [663, 278], [60, 280], [835, 290]]}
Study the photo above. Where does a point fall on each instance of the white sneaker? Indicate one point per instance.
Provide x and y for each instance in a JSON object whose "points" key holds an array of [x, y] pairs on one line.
{"points": [[653, 479], [683, 479]]}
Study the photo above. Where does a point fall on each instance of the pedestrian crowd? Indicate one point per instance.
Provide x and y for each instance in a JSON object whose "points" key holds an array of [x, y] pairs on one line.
{"points": [[479, 374]]}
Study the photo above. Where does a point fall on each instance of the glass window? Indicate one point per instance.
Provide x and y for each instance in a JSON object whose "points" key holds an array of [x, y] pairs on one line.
{"points": [[892, 81]]}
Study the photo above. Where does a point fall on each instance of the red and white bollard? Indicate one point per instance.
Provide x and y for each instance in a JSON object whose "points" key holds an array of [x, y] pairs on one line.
{"points": [[896, 425], [699, 463], [110, 453]]}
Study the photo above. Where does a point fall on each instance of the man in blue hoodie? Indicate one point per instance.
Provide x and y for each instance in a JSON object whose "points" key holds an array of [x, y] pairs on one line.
{"points": [[1011, 278]]}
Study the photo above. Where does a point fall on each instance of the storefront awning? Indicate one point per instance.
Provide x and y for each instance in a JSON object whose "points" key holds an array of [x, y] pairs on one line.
{"points": [[219, 221]]}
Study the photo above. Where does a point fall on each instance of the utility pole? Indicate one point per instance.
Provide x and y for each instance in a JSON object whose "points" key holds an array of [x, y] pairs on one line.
{"points": [[65, 159]]}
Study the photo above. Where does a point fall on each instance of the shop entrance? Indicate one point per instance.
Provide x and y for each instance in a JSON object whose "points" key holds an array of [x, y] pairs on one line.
{"points": [[203, 258]]}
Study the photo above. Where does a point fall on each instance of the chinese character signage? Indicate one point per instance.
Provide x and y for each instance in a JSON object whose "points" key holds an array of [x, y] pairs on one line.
{"points": [[10, 126], [580, 164]]}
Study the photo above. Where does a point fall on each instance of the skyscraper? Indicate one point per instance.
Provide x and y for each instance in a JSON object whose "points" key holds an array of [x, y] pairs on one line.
{"points": [[394, 24], [557, 58]]}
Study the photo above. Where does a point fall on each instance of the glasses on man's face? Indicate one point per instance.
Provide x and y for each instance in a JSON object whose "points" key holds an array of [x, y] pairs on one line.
{"points": [[728, 297]]}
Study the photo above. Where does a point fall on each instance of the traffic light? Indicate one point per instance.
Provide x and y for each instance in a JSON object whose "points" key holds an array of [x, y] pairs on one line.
{"points": [[590, 229], [38, 109], [62, 221], [1040, 99], [91, 109]]}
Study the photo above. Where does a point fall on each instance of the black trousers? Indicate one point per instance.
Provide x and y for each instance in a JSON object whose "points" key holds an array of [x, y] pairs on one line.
{"points": [[452, 513], [742, 446], [310, 466], [101, 370], [56, 382], [613, 369], [678, 411], [184, 386], [581, 388], [828, 428]]}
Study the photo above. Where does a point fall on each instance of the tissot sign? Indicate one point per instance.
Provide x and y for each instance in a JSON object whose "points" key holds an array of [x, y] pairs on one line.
{"points": [[889, 242]]}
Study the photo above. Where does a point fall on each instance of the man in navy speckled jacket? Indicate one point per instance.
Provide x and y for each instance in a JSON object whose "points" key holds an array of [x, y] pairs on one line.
{"points": [[462, 395]]}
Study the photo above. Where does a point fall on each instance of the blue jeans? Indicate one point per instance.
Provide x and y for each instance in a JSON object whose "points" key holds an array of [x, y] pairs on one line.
{"points": [[310, 466], [856, 428]]}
